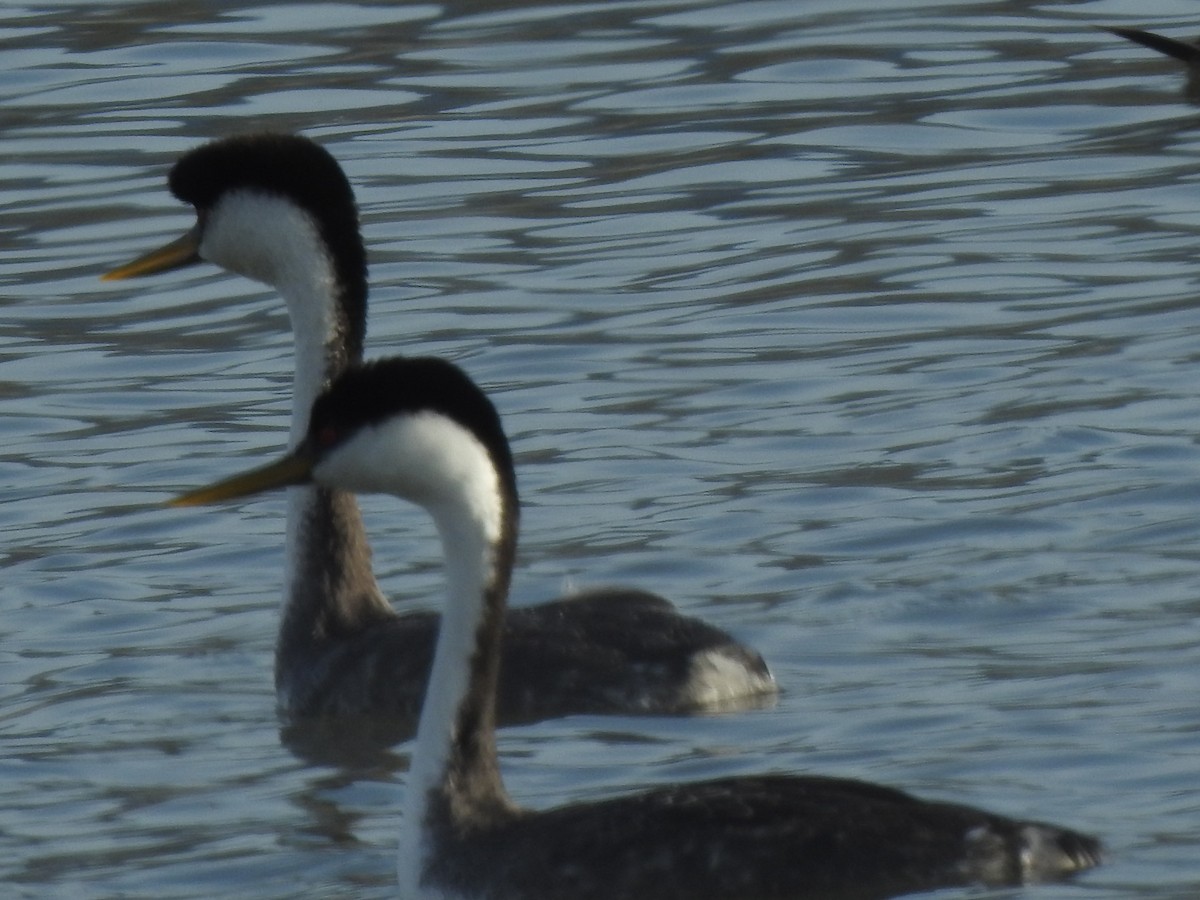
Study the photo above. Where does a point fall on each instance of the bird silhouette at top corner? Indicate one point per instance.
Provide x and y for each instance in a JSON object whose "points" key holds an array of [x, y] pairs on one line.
{"points": [[1187, 52]]}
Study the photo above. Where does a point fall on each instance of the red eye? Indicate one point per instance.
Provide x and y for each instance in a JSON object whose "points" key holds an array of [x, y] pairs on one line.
{"points": [[327, 436]]}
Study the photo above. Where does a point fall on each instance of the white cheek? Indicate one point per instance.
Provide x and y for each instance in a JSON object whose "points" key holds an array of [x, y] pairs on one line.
{"points": [[261, 237], [367, 465], [424, 458]]}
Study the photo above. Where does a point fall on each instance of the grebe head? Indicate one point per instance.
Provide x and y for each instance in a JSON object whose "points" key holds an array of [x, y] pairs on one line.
{"points": [[416, 428], [273, 207]]}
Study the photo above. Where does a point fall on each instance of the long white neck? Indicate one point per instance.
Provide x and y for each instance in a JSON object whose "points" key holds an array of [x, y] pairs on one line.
{"points": [[322, 524], [310, 304], [431, 460], [270, 239], [331, 590], [307, 285], [469, 569], [308, 293]]}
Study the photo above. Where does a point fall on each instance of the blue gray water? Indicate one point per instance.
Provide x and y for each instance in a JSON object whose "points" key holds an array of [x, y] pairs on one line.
{"points": [[865, 330]]}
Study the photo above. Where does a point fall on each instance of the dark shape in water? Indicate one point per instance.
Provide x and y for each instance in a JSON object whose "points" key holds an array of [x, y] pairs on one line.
{"points": [[1186, 52]]}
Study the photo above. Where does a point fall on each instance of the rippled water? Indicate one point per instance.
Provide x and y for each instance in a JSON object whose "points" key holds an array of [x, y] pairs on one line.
{"points": [[864, 330]]}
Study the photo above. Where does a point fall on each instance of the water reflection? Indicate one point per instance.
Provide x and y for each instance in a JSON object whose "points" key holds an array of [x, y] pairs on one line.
{"points": [[348, 742]]}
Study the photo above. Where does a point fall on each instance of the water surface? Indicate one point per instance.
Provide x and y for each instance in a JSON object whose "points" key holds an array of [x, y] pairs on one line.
{"points": [[865, 331]]}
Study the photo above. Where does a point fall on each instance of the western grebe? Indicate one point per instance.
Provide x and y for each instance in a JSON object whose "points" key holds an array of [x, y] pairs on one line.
{"points": [[278, 209], [420, 429]]}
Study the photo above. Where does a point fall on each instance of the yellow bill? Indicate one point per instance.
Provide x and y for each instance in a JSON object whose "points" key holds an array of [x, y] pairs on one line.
{"points": [[183, 251], [295, 468]]}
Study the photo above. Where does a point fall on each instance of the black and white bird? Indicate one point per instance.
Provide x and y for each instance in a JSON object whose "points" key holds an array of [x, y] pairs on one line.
{"points": [[278, 208], [420, 429]]}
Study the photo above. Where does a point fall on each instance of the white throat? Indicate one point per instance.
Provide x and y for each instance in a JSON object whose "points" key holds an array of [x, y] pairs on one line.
{"points": [[272, 240]]}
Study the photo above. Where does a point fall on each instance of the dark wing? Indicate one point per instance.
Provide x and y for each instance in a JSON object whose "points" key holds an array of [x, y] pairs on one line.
{"points": [[764, 838], [621, 651]]}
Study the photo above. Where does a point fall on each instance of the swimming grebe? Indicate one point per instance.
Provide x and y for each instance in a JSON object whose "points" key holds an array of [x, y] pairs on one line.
{"points": [[278, 209], [421, 430]]}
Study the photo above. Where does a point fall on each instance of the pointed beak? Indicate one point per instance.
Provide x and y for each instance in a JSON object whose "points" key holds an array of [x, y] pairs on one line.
{"points": [[295, 468], [183, 251]]}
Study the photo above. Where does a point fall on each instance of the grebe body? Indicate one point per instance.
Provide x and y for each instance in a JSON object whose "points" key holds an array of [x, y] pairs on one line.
{"points": [[420, 429]]}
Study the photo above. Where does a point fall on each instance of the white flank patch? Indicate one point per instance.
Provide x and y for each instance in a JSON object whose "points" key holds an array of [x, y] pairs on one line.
{"points": [[715, 678]]}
